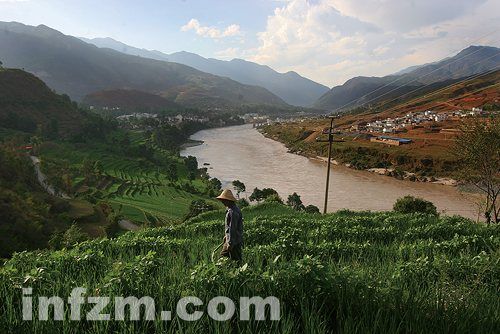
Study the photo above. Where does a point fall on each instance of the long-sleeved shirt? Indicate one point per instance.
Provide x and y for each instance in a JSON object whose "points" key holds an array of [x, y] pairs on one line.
{"points": [[234, 226]]}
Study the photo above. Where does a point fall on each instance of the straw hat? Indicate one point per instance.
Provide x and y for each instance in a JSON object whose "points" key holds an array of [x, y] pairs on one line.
{"points": [[227, 195]]}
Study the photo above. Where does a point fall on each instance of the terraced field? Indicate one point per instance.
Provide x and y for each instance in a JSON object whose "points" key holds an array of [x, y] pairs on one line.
{"points": [[140, 190], [348, 272]]}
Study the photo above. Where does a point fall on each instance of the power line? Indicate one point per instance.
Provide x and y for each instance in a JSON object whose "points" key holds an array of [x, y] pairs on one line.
{"points": [[473, 92], [458, 82], [420, 87], [406, 75], [417, 99]]}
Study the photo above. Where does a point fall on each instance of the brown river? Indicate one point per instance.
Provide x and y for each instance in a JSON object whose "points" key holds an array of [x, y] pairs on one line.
{"points": [[242, 153]]}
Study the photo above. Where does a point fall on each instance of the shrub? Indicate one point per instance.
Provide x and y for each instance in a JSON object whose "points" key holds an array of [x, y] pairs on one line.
{"points": [[410, 204], [274, 198], [295, 202], [260, 195], [198, 206], [311, 209], [67, 239], [242, 203]]}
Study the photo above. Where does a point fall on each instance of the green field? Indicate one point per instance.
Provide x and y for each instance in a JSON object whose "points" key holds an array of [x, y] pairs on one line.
{"points": [[135, 187], [347, 272]]}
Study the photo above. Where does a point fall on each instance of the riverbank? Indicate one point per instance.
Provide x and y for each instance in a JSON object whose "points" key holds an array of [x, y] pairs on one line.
{"points": [[242, 153], [391, 172], [415, 162], [191, 143]]}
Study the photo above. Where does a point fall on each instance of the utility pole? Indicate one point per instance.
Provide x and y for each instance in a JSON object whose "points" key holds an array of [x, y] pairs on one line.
{"points": [[330, 141]]}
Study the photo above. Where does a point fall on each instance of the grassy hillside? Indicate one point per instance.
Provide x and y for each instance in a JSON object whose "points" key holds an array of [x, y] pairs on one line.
{"points": [[105, 173], [29, 216], [345, 272], [76, 68], [131, 176]]}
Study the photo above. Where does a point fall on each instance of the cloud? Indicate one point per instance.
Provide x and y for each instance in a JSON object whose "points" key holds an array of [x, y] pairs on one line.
{"points": [[331, 41], [405, 15], [211, 32], [228, 54]]}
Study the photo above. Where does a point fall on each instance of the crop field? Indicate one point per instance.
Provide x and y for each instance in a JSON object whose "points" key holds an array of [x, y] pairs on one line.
{"points": [[140, 190], [344, 272]]}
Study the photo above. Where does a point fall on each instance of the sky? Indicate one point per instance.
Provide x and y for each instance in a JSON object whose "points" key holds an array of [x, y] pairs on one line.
{"points": [[329, 41]]}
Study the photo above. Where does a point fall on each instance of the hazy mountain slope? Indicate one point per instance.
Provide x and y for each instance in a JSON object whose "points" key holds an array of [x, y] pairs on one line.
{"points": [[470, 61], [110, 43], [359, 90], [72, 66], [290, 86]]}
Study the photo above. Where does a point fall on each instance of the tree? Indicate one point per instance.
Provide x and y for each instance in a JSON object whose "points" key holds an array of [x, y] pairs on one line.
{"points": [[295, 202], [213, 187], [410, 204], [172, 172], [191, 166], [260, 195], [198, 206], [477, 148], [67, 239], [239, 187], [274, 198], [242, 203]]}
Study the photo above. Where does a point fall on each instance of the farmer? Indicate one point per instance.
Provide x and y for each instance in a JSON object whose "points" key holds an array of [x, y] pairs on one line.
{"points": [[233, 237]]}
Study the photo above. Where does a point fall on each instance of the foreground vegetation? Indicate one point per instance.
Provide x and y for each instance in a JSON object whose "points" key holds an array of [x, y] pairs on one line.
{"points": [[344, 272]]}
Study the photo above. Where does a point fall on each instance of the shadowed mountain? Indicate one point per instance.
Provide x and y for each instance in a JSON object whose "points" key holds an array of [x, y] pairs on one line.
{"points": [[28, 105], [360, 90], [76, 68], [290, 86]]}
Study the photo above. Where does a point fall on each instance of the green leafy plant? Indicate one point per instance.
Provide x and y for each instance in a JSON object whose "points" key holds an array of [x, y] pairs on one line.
{"points": [[410, 204]]}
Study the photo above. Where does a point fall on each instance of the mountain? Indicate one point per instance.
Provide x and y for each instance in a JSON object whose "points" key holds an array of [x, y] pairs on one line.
{"points": [[76, 68], [448, 95], [360, 90], [27, 104], [129, 100], [111, 43], [290, 86], [470, 61]]}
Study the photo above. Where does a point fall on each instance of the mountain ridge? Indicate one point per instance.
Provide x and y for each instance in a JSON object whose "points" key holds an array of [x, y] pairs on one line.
{"points": [[76, 68], [361, 90], [301, 92]]}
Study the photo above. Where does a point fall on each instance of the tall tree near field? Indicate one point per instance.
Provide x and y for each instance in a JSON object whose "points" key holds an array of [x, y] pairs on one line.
{"points": [[478, 151], [172, 172], [295, 202], [191, 166], [239, 186]]}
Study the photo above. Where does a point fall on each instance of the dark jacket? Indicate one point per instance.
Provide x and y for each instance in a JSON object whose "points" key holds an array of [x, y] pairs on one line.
{"points": [[234, 226]]}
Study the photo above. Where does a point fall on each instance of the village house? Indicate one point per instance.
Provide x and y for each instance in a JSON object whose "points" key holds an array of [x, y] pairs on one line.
{"points": [[393, 141]]}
